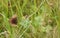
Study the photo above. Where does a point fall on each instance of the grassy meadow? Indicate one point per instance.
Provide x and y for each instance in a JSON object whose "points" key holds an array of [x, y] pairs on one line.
{"points": [[29, 18]]}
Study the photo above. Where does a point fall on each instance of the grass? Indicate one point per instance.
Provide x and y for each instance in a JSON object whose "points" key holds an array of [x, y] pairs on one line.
{"points": [[35, 18]]}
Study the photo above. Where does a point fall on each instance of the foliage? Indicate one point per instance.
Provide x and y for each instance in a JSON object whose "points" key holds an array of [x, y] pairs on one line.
{"points": [[35, 18]]}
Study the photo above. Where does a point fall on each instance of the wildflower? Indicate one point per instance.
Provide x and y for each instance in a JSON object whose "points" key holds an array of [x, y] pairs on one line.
{"points": [[13, 20]]}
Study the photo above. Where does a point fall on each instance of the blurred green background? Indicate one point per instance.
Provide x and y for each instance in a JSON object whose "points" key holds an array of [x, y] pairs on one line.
{"points": [[35, 18]]}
